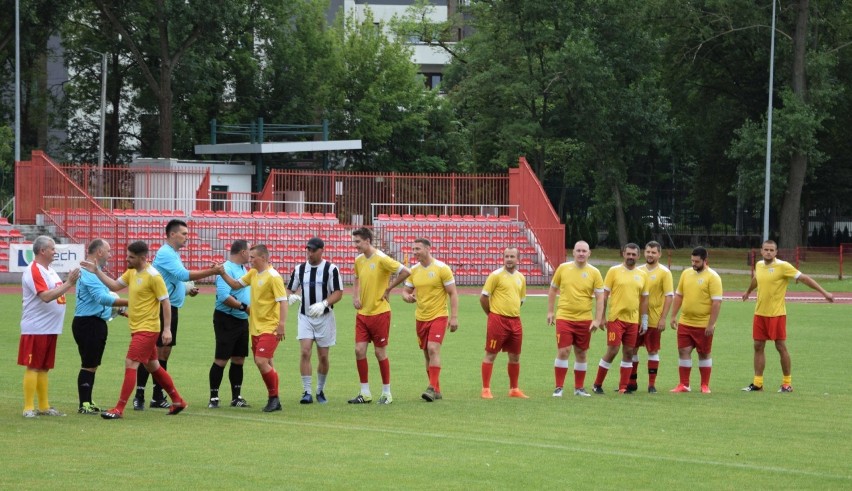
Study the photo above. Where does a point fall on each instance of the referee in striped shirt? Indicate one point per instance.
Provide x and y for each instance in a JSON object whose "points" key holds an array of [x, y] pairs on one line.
{"points": [[321, 287]]}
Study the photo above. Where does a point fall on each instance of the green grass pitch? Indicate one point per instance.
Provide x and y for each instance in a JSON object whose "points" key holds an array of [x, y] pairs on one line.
{"points": [[725, 440]]}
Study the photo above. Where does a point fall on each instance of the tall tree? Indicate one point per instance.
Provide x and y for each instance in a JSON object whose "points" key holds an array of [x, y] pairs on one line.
{"points": [[158, 34]]}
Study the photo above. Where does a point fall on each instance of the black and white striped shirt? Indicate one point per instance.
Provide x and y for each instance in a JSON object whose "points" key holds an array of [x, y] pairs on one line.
{"points": [[317, 283]]}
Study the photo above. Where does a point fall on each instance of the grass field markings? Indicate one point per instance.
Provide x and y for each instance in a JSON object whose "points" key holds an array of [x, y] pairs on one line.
{"points": [[529, 444]]}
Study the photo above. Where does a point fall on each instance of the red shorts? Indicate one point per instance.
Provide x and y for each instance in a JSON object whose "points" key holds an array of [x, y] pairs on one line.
{"points": [[373, 328], [504, 334], [769, 328], [37, 351], [620, 332], [688, 337], [650, 340], [143, 346], [573, 333], [432, 331], [264, 345]]}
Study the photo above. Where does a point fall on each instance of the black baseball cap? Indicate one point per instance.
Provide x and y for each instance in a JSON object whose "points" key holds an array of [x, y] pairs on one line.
{"points": [[315, 243]]}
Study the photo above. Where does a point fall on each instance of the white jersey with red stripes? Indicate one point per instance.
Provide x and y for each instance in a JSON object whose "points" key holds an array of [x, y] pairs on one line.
{"points": [[38, 316]]}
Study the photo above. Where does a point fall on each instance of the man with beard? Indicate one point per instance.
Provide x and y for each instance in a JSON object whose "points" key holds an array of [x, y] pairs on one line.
{"points": [[626, 288], [660, 294], [699, 292]]}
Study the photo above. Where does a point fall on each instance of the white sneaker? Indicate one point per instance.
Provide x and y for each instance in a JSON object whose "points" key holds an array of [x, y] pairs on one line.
{"points": [[581, 392], [50, 412], [32, 413], [557, 392]]}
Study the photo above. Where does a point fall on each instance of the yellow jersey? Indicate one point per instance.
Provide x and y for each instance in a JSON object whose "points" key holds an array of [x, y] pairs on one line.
{"points": [[506, 292], [698, 290], [146, 289], [577, 288], [373, 274], [626, 288], [660, 286], [430, 287], [267, 291], [772, 281]]}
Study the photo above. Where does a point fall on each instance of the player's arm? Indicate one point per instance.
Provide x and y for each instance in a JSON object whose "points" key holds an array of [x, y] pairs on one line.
{"points": [[643, 313], [231, 282], [334, 297], [600, 310], [551, 303], [113, 285], [166, 309], [401, 274], [408, 292], [214, 269], [282, 319], [715, 308], [356, 293], [454, 306], [667, 304], [751, 288], [50, 295], [108, 300], [815, 286], [485, 303], [676, 303]]}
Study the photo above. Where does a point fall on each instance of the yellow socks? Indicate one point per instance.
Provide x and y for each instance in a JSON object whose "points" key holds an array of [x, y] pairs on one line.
{"points": [[30, 382]]}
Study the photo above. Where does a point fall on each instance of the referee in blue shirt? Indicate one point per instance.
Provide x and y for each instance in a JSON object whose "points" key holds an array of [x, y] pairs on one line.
{"points": [[230, 325], [94, 308], [169, 264]]}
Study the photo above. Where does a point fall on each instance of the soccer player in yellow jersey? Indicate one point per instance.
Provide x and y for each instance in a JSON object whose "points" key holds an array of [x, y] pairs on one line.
{"points": [[267, 317], [430, 284], [699, 292], [626, 289], [373, 284], [579, 285], [502, 296], [147, 299], [660, 295], [771, 277]]}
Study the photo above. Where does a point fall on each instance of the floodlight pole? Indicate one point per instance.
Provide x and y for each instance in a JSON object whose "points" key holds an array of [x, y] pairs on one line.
{"points": [[103, 120], [766, 186], [17, 81]]}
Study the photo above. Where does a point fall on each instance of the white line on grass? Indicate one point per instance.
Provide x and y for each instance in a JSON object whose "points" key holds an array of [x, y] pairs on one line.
{"points": [[549, 446]]}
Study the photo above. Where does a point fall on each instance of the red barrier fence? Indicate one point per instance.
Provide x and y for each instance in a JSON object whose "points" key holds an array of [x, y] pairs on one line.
{"points": [[535, 209]]}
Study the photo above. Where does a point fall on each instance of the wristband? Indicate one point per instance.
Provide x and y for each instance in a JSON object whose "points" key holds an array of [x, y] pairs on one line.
{"points": [[243, 306], [325, 303]]}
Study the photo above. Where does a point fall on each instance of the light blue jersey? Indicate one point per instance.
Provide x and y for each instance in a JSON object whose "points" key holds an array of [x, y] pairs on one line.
{"points": [[93, 297], [168, 263], [224, 291]]}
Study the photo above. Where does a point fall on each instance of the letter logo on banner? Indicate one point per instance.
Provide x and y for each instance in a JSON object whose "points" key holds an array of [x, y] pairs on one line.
{"points": [[66, 257]]}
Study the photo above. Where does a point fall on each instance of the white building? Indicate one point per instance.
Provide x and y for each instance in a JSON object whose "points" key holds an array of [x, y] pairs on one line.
{"points": [[431, 60]]}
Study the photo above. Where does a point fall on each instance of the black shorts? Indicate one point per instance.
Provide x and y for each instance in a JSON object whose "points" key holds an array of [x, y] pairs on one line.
{"points": [[90, 334], [232, 335], [174, 328]]}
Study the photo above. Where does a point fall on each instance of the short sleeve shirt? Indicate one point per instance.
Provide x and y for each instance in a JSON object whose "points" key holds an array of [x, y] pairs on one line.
{"points": [[146, 290], [430, 287], [577, 288], [506, 292], [373, 276], [39, 317], [660, 286], [626, 287], [772, 281], [168, 263], [699, 290], [267, 291]]}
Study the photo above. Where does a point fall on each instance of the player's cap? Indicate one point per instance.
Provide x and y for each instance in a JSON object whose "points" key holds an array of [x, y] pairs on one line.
{"points": [[315, 243]]}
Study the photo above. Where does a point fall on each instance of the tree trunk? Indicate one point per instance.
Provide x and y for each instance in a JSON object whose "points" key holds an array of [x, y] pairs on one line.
{"points": [[165, 103], [620, 222], [791, 227]]}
